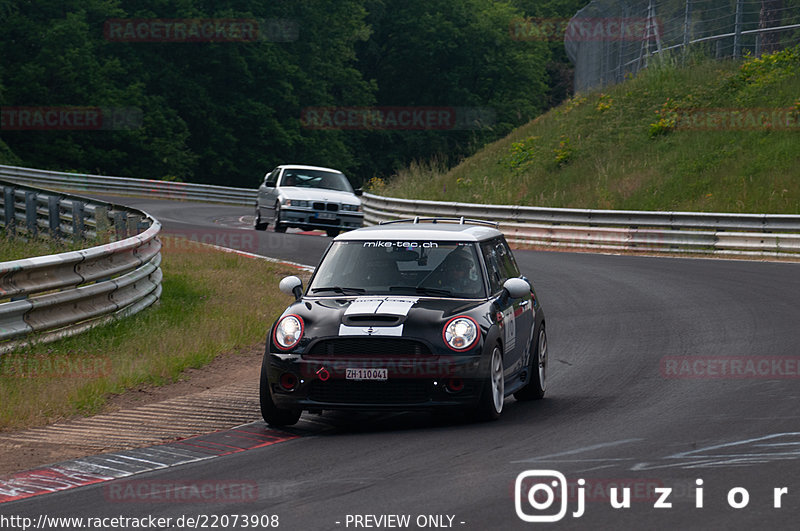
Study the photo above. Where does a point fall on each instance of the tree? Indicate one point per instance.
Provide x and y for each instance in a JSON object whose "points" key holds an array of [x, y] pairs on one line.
{"points": [[453, 54]]}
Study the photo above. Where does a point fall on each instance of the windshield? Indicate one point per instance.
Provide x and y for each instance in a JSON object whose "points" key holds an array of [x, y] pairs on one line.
{"points": [[326, 180], [440, 269]]}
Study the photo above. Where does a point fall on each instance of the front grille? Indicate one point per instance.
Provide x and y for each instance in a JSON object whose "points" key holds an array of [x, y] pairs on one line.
{"points": [[330, 207], [388, 392], [369, 346]]}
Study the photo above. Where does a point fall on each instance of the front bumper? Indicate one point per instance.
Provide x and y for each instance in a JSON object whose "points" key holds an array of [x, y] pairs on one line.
{"points": [[420, 383], [313, 219]]}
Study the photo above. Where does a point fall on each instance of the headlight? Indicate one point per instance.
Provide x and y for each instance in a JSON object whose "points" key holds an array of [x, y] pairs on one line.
{"points": [[288, 332], [297, 203], [351, 208], [460, 333]]}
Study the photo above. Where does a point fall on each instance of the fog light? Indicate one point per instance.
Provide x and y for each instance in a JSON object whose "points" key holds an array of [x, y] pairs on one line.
{"points": [[454, 385], [288, 381]]}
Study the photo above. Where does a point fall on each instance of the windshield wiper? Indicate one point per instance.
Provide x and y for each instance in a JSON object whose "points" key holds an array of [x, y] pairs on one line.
{"points": [[421, 290], [339, 289]]}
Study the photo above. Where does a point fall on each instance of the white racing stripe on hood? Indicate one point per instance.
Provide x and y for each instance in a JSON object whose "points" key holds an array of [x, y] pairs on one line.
{"points": [[381, 306]]}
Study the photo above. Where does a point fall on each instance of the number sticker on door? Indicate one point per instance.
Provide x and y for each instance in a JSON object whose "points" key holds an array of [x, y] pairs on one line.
{"points": [[510, 328]]}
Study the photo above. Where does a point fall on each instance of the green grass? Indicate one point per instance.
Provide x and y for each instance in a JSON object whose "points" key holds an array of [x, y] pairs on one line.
{"points": [[212, 303], [620, 149], [15, 248]]}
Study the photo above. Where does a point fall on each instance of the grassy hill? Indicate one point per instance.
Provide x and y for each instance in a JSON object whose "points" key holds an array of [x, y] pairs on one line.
{"points": [[650, 143]]}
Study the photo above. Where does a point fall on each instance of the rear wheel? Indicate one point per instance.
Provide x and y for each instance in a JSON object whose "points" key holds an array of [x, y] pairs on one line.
{"points": [[537, 371], [491, 402], [273, 415], [259, 225]]}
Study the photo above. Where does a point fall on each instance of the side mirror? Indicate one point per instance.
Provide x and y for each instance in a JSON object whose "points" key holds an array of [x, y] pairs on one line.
{"points": [[270, 184], [292, 285], [517, 287], [358, 191]]}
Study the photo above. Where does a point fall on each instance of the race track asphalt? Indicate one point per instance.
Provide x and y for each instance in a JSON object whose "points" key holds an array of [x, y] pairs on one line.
{"points": [[637, 397]]}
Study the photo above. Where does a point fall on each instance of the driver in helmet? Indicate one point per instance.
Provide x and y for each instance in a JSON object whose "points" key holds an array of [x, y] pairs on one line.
{"points": [[460, 273]]}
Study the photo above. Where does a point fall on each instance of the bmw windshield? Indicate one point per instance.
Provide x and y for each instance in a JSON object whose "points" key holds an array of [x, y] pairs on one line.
{"points": [[327, 180], [438, 269]]}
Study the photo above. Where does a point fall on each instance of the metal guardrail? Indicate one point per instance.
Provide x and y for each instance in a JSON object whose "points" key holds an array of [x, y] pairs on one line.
{"points": [[685, 232], [126, 185], [692, 232], [48, 297]]}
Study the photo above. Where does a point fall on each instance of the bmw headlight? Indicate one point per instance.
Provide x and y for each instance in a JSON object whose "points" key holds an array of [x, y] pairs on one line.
{"points": [[297, 203], [461, 333], [288, 332], [351, 208]]}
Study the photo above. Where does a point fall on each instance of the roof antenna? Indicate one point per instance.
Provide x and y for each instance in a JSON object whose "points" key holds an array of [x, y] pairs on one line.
{"points": [[416, 219], [461, 222]]}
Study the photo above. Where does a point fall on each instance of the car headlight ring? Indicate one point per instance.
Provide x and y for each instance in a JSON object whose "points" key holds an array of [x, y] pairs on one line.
{"points": [[288, 332], [461, 333]]}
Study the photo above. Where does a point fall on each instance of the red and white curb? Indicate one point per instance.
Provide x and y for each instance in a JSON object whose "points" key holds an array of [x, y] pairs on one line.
{"points": [[107, 467]]}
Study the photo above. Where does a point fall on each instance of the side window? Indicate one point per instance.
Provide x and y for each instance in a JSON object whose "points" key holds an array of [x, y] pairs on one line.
{"points": [[490, 256], [507, 262]]}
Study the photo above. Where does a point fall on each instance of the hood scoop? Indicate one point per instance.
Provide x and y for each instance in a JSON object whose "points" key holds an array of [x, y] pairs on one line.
{"points": [[372, 319]]}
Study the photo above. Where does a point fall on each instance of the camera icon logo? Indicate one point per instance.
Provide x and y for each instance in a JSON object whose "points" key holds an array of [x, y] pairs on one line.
{"points": [[536, 488]]}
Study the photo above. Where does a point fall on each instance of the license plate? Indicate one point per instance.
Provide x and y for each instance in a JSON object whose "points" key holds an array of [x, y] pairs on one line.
{"points": [[367, 374], [326, 215]]}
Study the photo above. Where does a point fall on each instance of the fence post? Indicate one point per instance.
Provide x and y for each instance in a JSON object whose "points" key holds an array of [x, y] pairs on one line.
{"points": [[687, 22], [621, 46], [656, 29], [737, 31]]}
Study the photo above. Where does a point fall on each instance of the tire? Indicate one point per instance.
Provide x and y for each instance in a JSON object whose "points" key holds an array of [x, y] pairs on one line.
{"points": [[259, 225], [537, 369], [332, 233], [273, 415], [279, 227], [490, 405]]}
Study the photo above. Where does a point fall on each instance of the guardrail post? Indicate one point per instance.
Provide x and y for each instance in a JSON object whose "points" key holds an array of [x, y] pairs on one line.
{"points": [[54, 215], [9, 210], [101, 222], [30, 213], [120, 225], [133, 224], [77, 220]]}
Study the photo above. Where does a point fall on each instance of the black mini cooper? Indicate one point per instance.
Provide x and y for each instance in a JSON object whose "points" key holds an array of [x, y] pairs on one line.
{"points": [[417, 314]]}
